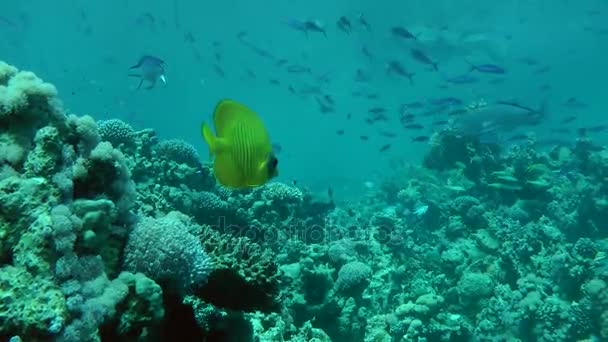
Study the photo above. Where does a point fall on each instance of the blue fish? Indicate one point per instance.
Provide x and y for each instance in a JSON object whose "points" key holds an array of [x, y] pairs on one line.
{"points": [[149, 69], [423, 58], [488, 68], [394, 67], [574, 103], [306, 26], [403, 33]]}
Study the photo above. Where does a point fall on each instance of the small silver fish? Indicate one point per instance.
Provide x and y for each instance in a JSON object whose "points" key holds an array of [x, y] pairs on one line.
{"points": [[149, 69], [420, 211]]}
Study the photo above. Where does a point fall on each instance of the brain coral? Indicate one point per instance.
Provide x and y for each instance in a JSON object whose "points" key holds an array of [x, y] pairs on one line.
{"points": [[116, 132], [179, 151], [353, 278]]}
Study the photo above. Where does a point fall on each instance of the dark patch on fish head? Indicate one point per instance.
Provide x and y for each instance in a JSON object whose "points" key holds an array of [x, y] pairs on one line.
{"points": [[272, 166]]}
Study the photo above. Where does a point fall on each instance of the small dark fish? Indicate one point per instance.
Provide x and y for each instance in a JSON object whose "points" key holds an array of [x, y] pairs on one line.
{"points": [[568, 119], [330, 193], [597, 129], [414, 126], [310, 89], [314, 26], [372, 96], [423, 58], [364, 137], [300, 25], [291, 89], [385, 148], [281, 62], [296, 24], [219, 71], [379, 117], [387, 134], [340, 132], [298, 69], [150, 69], [274, 81], [362, 76], [349, 116], [324, 106], [306, 26], [574, 103], [421, 138], [461, 79], [328, 99], [324, 78], [377, 110], [543, 70], [365, 51], [394, 67], [407, 118], [344, 25], [440, 123], [403, 33], [488, 68], [363, 22]]}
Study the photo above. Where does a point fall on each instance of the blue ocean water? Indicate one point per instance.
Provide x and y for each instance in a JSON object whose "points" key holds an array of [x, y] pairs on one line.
{"points": [[86, 47]]}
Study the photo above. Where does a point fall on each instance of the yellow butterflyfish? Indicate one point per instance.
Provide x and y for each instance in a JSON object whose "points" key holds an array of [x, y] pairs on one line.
{"points": [[241, 147]]}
